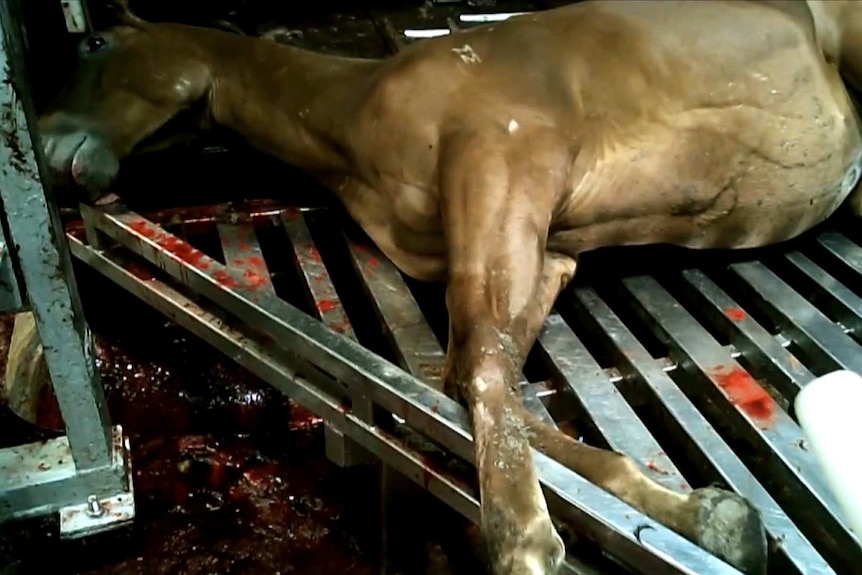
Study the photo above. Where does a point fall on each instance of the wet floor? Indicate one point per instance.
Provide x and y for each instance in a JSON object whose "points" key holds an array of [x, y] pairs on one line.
{"points": [[230, 476]]}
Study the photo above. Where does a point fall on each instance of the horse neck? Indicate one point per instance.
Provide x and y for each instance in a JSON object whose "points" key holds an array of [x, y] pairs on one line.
{"points": [[291, 103]]}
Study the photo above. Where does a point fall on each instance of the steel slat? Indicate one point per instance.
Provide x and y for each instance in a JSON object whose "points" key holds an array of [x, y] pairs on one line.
{"points": [[778, 439], [603, 404], [748, 336], [242, 252], [418, 349], [843, 303], [316, 280], [812, 331], [690, 426]]}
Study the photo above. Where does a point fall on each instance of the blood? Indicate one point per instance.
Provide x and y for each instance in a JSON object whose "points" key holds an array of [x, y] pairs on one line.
{"points": [[192, 256], [225, 280], [230, 476], [653, 467], [745, 393], [735, 313], [313, 254], [243, 246], [256, 261], [327, 305], [373, 262], [254, 279], [360, 249]]}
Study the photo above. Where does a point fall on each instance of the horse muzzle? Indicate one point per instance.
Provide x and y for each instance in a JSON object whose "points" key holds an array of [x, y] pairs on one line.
{"points": [[84, 160]]}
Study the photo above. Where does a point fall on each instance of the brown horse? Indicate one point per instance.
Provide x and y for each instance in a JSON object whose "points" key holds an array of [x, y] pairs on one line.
{"points": [[492, 158]]}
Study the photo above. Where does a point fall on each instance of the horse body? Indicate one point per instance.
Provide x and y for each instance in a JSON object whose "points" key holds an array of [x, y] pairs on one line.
{"points": [[493, 158]]}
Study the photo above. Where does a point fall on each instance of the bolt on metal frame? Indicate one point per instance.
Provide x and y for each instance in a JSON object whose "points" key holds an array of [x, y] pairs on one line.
{"points": [[91, 460]]}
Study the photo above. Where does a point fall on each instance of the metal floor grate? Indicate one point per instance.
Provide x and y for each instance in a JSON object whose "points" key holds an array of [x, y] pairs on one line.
{"points": [[691, 374]]}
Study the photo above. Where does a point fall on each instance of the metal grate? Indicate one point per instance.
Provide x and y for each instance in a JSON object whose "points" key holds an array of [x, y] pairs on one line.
{"points": [[713, 409]]}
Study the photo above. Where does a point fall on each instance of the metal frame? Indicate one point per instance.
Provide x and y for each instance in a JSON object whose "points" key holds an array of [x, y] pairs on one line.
{"points": [[319, 362], [88, 468]]}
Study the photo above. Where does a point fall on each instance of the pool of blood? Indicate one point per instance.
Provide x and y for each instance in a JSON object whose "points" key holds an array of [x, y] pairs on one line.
{"points": [[230, 476]]}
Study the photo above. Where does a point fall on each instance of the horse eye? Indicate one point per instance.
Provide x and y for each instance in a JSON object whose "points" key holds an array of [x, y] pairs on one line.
{"points": [[96, 43]]}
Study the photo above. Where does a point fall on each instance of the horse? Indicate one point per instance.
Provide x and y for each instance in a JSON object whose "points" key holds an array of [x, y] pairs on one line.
{"points": [[491, 159]]}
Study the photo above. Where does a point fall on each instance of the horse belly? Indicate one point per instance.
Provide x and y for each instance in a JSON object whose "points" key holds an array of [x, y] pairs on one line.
{"points": [[736, 179]]}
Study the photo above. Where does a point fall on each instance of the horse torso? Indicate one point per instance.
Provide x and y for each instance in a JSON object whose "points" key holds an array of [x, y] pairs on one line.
{"points": [[700, 124]]}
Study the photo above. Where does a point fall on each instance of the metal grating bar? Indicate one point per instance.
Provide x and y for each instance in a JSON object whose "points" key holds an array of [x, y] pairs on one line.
{"points": [[418, 350], [741, 400], [603, 404], [623, 532], [688, 425], [755, 343], [317, 282], [828, 292], [818, 336], [328, 308], [242, 252]]}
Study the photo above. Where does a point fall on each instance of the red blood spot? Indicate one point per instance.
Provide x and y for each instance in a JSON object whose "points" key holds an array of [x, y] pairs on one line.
{"points": [[172, 244], [653, 467], [314, 254], [244, 246], [435, 408], [255, 261], [239, 262], [254, 279], [373, 262], [745, 393], [735, 313], [327, 305], [340, 327], [144, 228], [684, 486], [225, 280]]}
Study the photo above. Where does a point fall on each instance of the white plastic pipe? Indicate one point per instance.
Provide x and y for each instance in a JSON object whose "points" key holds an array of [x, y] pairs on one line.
{"points": [[828, 409]]}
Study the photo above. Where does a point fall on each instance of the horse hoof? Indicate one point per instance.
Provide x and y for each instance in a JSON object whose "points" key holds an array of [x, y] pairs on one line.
{"points": [[538, 551], [730, 528]]}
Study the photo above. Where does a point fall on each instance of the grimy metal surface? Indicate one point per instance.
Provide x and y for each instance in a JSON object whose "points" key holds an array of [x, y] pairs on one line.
{"points": [[91, 460], [711, 406], [691, 372]]}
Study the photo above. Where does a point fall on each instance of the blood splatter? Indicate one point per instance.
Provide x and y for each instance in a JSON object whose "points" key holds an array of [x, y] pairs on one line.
{"points": [[191, 255], [244, 246], [144, 228], [225, 280], [313, 254], [327, 305], [373, 262], [254, 279], [653, 467], [735, 313], [744, 392], [256, 261]]}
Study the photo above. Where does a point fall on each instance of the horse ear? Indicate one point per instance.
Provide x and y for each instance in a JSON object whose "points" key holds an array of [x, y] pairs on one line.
{"points": [[124, 13]]}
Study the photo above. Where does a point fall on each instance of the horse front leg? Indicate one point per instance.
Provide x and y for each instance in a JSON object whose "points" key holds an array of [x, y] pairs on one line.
{"points": [[495, 224]]}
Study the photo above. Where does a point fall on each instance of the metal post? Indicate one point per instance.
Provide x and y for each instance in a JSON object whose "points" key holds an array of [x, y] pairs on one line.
{"points": [[45, 264]]}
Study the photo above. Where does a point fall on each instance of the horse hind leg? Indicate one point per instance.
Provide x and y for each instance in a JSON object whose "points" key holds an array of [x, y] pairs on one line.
{"points": [[721, 522]]}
